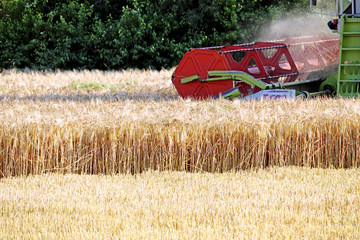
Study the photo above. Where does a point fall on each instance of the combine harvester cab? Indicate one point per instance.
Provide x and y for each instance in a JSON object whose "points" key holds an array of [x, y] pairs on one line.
{"points": [[301, 67], [346, 81]]}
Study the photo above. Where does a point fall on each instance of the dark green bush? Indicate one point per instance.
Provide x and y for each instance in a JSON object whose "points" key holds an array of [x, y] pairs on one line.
{"points": [[109, 34]]}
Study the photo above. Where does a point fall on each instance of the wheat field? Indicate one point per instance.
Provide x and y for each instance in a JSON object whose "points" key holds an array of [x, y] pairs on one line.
{"points": [[118, 155], [133, 121]]}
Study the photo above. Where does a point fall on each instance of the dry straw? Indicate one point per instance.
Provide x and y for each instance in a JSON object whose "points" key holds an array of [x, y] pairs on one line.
{"points": [[275, 203]]}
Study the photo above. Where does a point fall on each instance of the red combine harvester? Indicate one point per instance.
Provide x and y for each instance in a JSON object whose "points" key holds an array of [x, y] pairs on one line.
{"points": [[274, 69]]}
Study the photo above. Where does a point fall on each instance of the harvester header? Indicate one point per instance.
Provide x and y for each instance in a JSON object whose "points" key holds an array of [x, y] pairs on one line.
{"points": [[242, 70], [302, 67]]}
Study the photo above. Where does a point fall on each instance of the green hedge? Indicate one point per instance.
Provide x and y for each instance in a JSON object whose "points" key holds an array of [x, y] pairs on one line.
{"points": [[110, 34]]}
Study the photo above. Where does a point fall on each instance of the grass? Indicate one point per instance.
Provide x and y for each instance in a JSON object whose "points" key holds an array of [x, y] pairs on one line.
{"points": [[277, 203], [95, 86]]}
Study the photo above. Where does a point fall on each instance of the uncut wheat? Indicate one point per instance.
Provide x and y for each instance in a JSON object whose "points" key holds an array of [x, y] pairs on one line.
{"points": [[78, 126]]}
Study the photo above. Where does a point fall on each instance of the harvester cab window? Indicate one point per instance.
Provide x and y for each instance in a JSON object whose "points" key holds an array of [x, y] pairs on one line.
{"points": [[347, 6]]}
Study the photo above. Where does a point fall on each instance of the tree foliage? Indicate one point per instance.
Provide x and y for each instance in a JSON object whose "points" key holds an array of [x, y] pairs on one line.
{"points": [[110, 34]]}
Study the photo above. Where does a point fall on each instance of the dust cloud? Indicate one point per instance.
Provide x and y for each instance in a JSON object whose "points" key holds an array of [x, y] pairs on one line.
{"points": [[296, 25], [300, 24]]}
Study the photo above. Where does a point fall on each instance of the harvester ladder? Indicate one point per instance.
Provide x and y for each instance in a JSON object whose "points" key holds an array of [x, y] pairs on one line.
{"points": [[349, 60]]}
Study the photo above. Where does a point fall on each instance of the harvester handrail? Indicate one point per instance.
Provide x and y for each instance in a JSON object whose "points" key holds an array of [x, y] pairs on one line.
{"points": [[281, 46], [272, 47], [237, 45], [252, 49]]}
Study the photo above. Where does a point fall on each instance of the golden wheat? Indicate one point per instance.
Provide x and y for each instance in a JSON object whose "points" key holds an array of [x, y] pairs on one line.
{"points": [[277, 203], [66, 129]]}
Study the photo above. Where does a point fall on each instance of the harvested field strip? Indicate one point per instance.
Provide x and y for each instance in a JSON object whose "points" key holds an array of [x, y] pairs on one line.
{"points": [[212, 136], [50, 85]]}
